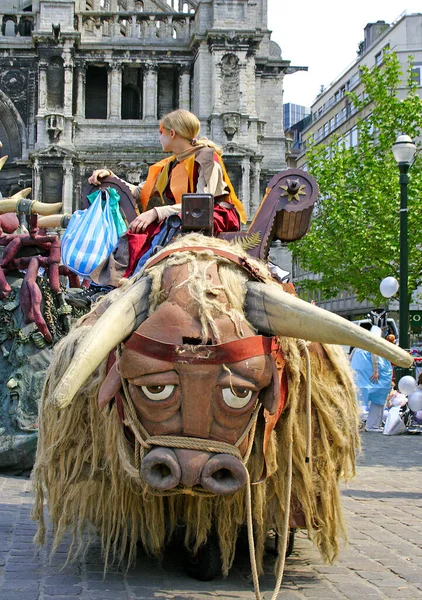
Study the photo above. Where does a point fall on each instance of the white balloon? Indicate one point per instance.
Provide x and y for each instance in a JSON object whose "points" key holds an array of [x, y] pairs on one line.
{"points": [[407, 385], [389, 287], [415, 401]]}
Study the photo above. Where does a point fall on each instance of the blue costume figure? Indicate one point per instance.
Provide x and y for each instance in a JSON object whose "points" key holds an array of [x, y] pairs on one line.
{"points": [[373, 376]]}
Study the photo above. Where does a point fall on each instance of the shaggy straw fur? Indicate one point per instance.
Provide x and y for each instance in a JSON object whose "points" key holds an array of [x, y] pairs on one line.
{"points": [[85, 468]]}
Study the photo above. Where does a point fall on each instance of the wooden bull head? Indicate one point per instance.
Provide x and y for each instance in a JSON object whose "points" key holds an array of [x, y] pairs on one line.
{"points": [[192, 376], [186, 386]]}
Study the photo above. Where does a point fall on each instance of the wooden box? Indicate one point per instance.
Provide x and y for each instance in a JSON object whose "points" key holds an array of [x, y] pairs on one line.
{"points": [[198, 213]]}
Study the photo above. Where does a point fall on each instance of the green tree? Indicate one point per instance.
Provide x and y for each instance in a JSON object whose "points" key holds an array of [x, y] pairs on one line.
{"points": [[354, 238]]}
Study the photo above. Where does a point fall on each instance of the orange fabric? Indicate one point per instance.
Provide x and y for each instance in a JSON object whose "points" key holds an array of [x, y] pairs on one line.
{"points": [[153, 173], [233, 198], [158, 177], [179, 183]]}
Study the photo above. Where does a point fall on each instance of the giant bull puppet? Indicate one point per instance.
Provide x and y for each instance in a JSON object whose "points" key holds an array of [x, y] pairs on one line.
{"points": [[189, 396]]}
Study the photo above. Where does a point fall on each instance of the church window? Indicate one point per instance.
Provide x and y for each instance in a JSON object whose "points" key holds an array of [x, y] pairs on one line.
{"points": [[168, 90], [96, 93], [9, 28], [132, 93]]}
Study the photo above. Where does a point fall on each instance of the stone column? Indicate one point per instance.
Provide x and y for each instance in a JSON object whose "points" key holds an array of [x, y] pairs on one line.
{"points": [[216, 77], [246, 173], [255, 187], [80, 98], [36, 181], [184, 87], [67, 186], [42, 87], [151, 27], [115, 91], [243, 87], [134, 28], [68, 83], [251, 87], [150, 92]]}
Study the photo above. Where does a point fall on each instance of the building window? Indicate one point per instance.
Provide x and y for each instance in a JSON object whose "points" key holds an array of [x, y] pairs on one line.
{"points": [[132, 93], [378, 59], [346, 140], [417, 73], [354, 137], [168, 90], [331, 124], [96, 93]]}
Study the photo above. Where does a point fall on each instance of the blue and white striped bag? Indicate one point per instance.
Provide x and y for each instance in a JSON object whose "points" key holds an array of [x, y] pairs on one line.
{"points": [[90, 237]]}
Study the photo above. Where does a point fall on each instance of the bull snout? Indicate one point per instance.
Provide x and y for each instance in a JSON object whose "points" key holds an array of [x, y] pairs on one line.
{"points": [[220, 474]]}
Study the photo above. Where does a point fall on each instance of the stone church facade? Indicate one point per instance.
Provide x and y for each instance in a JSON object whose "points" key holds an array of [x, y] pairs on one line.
{"points": [[83, 84]]}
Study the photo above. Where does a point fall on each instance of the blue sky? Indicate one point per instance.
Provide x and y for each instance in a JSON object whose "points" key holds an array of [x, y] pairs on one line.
{"points": [[324, 36]]}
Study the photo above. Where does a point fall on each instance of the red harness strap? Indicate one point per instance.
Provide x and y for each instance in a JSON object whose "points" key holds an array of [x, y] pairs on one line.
{"points": [[230, 352]]}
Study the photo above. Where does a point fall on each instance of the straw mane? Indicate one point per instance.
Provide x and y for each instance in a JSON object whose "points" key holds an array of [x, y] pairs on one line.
{"points": [[85, 468]]}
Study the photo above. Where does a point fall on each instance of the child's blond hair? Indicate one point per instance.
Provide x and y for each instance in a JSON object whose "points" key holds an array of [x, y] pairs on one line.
{"points": [[187, 125]]}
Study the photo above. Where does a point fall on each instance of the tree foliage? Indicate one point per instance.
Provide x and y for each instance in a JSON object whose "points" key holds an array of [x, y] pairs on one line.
{"points": [[354, 241]]}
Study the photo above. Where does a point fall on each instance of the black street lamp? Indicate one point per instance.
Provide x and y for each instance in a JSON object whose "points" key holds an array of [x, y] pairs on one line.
{"points": [[404, 150]]}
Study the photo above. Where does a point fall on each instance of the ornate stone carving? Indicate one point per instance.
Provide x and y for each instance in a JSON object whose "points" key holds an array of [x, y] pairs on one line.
{"points": [[231, 124], [230, 89], [13, 81], [55, 127]]}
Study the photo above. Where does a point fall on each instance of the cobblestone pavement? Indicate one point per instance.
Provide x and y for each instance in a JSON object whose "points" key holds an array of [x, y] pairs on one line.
{"points": [[383, 559]]}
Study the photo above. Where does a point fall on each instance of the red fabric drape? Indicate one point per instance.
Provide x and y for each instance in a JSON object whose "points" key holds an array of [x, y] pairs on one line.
{"points": [[139, 243]]}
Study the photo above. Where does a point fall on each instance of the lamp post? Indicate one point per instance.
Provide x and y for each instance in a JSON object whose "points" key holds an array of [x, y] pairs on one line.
{"points": [[404, 150]]}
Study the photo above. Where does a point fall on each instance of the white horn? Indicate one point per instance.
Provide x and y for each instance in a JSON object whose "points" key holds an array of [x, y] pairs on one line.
{"points": [[8, 205], [31, 206], [274, 311], [120, 319], [44, 208], [54, 221], [21, 194]]}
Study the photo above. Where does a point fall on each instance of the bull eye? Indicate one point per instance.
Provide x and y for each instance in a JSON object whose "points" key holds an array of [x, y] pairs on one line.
{"points": [[236, 397], [157, 392]]}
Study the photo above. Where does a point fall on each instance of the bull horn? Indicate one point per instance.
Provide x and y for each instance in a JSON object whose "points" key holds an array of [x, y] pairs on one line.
{"points": [[45, 209], [15, 204], [2, 161], [8, 205], [22, 194], [274, 311], [54, 221], [120, 319]]}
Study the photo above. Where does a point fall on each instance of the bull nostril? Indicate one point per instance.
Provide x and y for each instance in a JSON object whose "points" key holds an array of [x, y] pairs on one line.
{"points": [[160, 469], [222, 474]]}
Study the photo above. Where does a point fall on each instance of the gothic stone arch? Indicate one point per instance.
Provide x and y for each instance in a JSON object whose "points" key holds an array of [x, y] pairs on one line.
{"points": [[12, 130]]}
